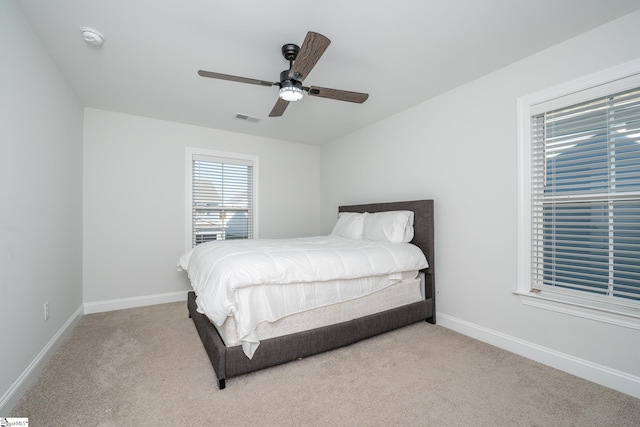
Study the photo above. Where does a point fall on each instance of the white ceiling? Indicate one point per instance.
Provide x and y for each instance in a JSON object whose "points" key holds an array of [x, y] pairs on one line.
{"points": [[401, 52]]}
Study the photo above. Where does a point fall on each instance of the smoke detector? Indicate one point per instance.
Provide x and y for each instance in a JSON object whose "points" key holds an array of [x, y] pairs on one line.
{"points": [[92, 36]]}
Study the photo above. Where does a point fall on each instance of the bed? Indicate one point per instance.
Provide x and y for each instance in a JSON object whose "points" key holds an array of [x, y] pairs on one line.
{"points": [[326, 327]]}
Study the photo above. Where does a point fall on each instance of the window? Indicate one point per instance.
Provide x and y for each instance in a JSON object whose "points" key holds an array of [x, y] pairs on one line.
{"points": [[220, 196], [579, 228]]}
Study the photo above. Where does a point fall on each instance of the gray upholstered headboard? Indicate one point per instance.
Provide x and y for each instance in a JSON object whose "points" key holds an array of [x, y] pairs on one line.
{"points": [[423, 223]]}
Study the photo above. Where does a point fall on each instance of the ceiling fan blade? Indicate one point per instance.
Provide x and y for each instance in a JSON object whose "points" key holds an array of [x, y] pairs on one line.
{"points": [[340, 95], [220, 76], [279, 108], [312, 48]]}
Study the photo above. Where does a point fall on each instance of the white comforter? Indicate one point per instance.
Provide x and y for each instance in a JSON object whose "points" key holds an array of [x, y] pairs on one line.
{"points": [[241, 278]]}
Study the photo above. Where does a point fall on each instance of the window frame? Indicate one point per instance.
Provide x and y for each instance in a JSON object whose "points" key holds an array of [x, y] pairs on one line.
{"points": [[576, 303], [190, 152]]}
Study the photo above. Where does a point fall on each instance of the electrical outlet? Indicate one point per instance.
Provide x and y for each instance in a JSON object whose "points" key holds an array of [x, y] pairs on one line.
{"points": [[46, 310]]}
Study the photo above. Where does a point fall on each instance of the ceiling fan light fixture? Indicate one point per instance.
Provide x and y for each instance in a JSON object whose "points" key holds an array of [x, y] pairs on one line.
{"points": [[291, 94], [290, 90]]}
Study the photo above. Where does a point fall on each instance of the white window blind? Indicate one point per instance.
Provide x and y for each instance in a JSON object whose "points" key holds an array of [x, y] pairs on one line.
{"points": [[221, 198], [585, 198]]}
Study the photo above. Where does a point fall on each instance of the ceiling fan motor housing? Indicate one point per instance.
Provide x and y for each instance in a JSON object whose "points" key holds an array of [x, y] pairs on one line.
{"points": [[286, 81]]}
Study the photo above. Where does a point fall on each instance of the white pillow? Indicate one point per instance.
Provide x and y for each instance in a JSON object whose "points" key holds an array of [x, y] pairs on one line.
{"points": [[392, 226], [349, 225]]}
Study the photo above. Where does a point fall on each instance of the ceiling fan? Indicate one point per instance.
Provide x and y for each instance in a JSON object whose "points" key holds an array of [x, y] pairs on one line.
{"points": [[301, 61]]}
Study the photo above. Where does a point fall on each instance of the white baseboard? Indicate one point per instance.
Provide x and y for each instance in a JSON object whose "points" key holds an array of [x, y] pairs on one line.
{"points": [[27, 378], [599, 374], [123, 303]]}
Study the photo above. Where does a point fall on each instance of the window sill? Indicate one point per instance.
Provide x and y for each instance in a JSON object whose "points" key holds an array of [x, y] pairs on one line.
{"points": [[615, 314]]}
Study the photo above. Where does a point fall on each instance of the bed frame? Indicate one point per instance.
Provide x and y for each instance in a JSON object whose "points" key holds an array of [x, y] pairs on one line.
{"points": [[230, 362]]}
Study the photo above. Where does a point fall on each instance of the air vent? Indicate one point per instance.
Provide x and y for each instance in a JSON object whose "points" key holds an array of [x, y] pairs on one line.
{"points": [[248, 118]]}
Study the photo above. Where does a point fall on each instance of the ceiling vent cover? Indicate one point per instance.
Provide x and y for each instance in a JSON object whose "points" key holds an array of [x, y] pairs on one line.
{"points": [[248, 118]]}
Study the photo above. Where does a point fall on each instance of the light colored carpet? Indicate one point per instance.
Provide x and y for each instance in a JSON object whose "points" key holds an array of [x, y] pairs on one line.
{"points": [[147, 367]]}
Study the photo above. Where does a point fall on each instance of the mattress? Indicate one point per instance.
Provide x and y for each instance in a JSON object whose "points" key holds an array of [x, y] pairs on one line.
{"points": [[403, 292]]}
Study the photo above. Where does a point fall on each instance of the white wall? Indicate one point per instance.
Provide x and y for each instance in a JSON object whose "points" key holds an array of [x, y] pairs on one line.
{"points": [[134, 199], [40, 203], [460, 149]]}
